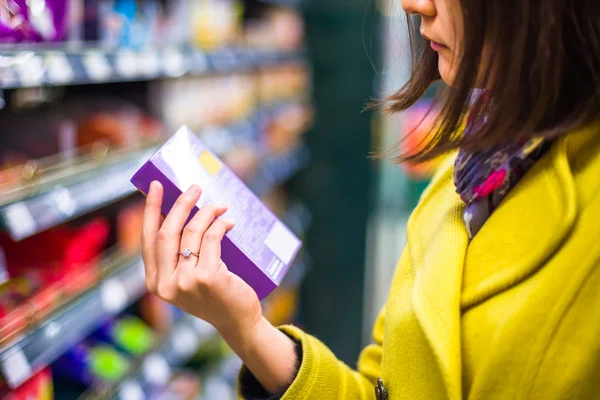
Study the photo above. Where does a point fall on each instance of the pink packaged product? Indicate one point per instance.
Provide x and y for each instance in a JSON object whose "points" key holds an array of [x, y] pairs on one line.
{"points": [[260, 248]]}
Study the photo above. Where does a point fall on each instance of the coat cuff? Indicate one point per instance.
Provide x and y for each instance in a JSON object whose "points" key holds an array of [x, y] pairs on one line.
{"points": [[250, 389], [317, 363]]}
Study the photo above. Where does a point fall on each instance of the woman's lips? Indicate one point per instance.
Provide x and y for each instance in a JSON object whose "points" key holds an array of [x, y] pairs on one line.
{"points": [[437, 46]]}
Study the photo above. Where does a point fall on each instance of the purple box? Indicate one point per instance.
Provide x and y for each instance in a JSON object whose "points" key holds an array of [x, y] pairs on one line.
{"points": [[259, 249]]}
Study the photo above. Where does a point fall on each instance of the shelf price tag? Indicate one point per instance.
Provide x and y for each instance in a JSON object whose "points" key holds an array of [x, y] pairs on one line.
{"points": [[126, 64], [156, 370], [59, 68], [19, 220], [174, 62], [131, 390], [31, 71], [8, 77], [97, 66], [16, 368], [113, 296], [149, 64]]}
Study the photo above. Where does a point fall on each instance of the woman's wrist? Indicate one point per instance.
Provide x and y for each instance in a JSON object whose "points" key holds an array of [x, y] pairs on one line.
{"points": [[268, 353]]}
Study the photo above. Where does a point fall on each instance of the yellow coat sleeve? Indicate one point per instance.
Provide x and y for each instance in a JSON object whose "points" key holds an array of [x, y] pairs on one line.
{"points": [[323, 377]]}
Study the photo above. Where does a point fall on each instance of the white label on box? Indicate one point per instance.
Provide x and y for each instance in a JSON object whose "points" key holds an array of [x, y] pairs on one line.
{"points": [[131, 390], [281, 242], [113, 296], [97, 66], [19, 220], [16, 368], [156, 370]]}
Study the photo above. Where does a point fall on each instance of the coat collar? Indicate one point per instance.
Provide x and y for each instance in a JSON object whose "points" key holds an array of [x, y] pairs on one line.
{"points": [[452, 274]]}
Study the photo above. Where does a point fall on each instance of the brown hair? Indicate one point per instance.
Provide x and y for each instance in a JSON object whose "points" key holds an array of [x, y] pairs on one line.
{"points": [[545, 56]]}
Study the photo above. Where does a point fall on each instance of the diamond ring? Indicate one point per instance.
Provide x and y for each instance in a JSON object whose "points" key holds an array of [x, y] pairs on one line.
{"points": [[187, 252]]}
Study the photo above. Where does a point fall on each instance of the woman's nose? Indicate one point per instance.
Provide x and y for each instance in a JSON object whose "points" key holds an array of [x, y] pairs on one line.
{"points": [[425, 8]]}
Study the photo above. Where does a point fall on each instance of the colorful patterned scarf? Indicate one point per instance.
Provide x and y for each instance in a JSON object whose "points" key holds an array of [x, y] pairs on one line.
{"points": [[484, 178]]}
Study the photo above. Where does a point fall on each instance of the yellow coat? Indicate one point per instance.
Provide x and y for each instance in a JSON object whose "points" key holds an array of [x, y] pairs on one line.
{"points": [[515, 314]]}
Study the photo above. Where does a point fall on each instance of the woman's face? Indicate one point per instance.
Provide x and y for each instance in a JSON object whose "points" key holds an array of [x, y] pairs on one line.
{"points": [[441, 26]]}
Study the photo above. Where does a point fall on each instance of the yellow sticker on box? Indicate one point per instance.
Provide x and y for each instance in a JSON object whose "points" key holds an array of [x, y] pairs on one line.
{"points": [[210, 163]]}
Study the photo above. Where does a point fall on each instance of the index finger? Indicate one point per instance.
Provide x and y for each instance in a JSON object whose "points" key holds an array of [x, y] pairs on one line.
{"points": [[150, 227]]}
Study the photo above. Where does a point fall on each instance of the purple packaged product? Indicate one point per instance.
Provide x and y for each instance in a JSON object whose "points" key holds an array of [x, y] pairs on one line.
{"points": [[259, 249]]}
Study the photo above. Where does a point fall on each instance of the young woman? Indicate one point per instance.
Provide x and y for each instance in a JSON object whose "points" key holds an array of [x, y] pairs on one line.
{"points": [[496, 295]]}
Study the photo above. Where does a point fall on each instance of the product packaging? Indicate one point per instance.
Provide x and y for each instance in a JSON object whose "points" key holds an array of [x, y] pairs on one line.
{"points": [[128, 334], [38, 387], [90, 363], [260, 248]]}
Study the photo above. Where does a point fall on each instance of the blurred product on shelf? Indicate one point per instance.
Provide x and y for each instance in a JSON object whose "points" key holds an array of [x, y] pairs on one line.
{"points": [[243, 160], [215, 23], [34, 21], [61, 136], [91, 363], [128, 334], [282, 132], [203, 101], [117, 129], [129, 227], [282, 305], [277, 28], [417, 123], [38, 387], [63, 265], [184, 385], [283, 82]]}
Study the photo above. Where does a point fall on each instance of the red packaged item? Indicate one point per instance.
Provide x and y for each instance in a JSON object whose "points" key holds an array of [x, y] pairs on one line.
{"points": [[64, 263], [38, 387], [129, 228], [15, 313]]}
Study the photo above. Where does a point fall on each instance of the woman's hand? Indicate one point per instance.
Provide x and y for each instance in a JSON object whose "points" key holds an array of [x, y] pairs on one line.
{"points": [[200, 284]]}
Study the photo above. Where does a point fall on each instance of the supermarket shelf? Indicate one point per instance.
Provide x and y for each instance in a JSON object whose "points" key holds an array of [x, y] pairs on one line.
{"points": [[73, 190], [154, 369], [72, 322], [278, 168], [48, 67], [220, 382], [69, 192]]}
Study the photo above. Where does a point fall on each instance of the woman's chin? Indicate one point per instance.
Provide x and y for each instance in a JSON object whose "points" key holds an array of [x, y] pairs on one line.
{"points": [[446, 72]]}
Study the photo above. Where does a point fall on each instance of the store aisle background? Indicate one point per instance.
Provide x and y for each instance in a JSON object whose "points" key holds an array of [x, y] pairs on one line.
{"points": [[277, 88]]}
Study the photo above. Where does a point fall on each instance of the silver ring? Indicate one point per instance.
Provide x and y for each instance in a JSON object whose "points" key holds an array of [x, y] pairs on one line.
{"points": [[187, 252]]}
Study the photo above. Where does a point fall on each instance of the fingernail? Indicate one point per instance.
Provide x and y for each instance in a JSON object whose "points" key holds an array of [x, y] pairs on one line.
{"points": [[193, 190], [222, 206], [153, 188], [229, 222]]}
